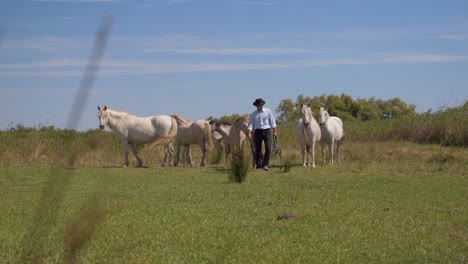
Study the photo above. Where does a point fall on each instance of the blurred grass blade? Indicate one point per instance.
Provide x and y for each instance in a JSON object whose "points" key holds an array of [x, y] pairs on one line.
{"points": [[34, 244], [86, 82]]}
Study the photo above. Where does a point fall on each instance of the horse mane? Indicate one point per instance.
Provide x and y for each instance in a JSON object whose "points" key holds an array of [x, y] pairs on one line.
{"points": [[240, 122], [219, 121], [310, 110], [120, 111]]}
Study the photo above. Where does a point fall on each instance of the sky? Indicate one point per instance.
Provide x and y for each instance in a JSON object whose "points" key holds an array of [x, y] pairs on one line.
{"points": [[202, 58]]}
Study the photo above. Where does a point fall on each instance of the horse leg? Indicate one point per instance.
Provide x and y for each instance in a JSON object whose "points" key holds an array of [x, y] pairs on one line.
{"points": [[189, 156], [338, 145], [227, 149], [184, 154], [323, 151], [165, 156], [203, 149], [135, 153], [125, 147], [176, 159], [330, 148], [219, 147], [312, 152], [304, 153], [168, 152], [171, 153]]}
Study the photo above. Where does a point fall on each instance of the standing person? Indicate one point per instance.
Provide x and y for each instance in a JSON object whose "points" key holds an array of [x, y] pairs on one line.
{"points": [[261, 121]]}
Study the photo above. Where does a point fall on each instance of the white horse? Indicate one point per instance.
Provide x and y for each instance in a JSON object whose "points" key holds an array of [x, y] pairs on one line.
{"points": [[131, 129], [307, 133], [233, 135], [220, 132], [188, 133], [332, 131], [238, 135]]}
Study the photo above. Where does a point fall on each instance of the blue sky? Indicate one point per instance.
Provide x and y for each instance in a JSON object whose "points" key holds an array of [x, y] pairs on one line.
{"points": [[203, 58]]}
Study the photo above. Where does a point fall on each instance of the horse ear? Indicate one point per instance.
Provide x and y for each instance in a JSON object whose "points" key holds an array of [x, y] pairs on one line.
{"points": [[105, 108], [98, 108]]}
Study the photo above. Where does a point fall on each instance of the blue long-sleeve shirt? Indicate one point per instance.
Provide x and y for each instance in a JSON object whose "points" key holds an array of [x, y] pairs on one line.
{"points": [[261, 120]]}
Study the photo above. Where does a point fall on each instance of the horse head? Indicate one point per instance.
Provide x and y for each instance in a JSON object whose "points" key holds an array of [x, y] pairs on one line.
{"points": [[323, 116], [103, 118], [241, 122], [306, 114]]}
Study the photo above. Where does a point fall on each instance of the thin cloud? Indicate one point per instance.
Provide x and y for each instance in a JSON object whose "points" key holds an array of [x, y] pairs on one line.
{"points": [[47, 43], [70, 67], [69, 18], [452, 33], [79, 1], [163, 2], [44, 64], [20, 23], [233, 51], [255, 3]]}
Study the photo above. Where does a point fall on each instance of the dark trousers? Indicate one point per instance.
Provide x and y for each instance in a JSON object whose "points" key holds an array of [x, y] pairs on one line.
{"points": [[262, 135]]}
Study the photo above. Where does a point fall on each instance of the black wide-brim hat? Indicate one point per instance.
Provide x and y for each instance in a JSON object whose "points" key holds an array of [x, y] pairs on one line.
{"points": [[259, 102]]}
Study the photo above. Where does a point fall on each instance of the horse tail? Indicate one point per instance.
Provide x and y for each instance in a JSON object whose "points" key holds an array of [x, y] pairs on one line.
{"points": [[207, 131], [343, 137], [164, 139], [173, 130]]}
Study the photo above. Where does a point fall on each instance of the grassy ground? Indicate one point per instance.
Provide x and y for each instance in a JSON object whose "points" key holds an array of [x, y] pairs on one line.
{"points": [[385, 202]]}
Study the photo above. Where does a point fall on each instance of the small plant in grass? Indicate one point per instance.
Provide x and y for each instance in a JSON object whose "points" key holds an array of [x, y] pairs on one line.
{"points": [[239, 167], [442, 158], [287, 164], [216, 158]]}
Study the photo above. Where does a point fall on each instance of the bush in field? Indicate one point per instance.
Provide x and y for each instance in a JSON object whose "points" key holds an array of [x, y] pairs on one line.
{"points": [[216, 158], [447, 127], [52, 146], [239, 167], [345, 107], [287, 163]]}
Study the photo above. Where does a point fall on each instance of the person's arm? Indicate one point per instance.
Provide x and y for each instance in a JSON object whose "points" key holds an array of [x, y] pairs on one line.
{"points": [[250, 127], [273, 124]]}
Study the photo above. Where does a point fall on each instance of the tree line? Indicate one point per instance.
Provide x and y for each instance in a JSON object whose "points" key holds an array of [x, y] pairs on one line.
{"points": [[345, 107]]}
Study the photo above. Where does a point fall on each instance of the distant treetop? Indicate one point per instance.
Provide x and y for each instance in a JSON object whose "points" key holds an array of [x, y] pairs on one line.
{"points": [[345, 107]]}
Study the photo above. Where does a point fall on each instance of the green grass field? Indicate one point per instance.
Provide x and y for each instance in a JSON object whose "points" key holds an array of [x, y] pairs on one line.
{"points": [[385, 202]]}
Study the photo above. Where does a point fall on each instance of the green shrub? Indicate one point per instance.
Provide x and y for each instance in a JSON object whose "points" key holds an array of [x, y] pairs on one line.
{"points": [[239, 167]]}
